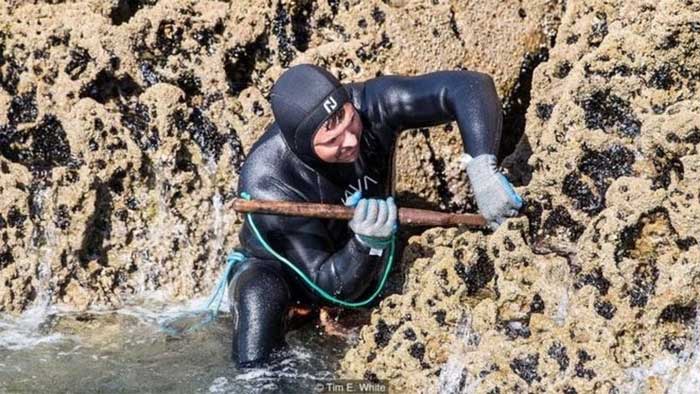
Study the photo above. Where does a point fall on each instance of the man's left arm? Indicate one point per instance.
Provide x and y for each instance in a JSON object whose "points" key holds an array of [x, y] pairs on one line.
{"points": [[398, 103]]}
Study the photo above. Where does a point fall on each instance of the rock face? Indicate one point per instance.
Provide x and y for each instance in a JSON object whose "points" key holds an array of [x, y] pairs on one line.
{"points": [[596, 287], [123, 124]]}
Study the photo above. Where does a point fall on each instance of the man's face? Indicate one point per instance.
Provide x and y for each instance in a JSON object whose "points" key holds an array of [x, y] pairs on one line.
{"points": [[338, 139]]}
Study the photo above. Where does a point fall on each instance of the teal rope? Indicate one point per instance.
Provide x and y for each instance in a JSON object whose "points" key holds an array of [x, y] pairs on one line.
{"points": [[313, 285], [170, 326]]}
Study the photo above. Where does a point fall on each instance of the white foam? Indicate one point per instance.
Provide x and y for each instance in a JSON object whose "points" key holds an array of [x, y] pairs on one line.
{"points": [[219, 385], [23, 332]]}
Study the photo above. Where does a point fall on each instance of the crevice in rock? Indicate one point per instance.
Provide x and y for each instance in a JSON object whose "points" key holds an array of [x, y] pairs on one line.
{"points": [[454, 27], [106, 86], [124, 10], [301, 16], [240, 62], [438, 164], [98, 227], [515, 105], [207, 37]]}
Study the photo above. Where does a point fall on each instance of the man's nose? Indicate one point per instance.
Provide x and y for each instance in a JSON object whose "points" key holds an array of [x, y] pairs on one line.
{"points": [[349, 140]]}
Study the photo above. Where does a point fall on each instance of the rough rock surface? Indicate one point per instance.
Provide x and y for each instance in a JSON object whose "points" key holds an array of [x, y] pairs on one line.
{"points": [[596, 287], [123, 123]]}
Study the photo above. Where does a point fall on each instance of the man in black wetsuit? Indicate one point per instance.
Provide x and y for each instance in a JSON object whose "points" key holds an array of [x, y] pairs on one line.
{"points": [[328, 142]]}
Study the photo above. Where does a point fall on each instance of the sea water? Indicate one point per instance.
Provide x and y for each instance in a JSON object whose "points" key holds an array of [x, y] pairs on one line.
{"points": [[127, 350]]}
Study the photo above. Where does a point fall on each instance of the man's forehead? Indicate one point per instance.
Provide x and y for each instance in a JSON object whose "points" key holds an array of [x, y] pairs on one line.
{"points": [[326, 135]]}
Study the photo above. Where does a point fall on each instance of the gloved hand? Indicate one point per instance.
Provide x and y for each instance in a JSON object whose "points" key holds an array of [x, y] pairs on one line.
{"points": [[494, 195], [374, 220]]}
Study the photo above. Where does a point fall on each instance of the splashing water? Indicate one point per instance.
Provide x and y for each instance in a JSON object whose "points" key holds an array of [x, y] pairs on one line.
{"points": [[454, 377], [26, 331]]}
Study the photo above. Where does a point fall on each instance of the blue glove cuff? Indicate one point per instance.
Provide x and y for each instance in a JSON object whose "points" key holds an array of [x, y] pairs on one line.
{"points": [[373, 243], [353, 199]]}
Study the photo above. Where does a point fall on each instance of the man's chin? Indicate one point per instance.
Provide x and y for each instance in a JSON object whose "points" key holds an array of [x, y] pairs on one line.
{"points": [[350, 159]]}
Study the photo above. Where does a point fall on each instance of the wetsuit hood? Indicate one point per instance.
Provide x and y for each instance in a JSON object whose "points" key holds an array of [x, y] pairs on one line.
{"points": [[302, 99]]}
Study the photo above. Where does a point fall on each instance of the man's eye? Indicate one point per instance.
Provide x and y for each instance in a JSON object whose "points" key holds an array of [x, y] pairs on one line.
{"points": [[341, 115], [331, 123]]}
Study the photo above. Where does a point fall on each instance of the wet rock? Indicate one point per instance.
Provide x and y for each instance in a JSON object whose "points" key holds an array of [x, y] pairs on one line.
{"points": [[558, 352], [136, 118], [605, 309], [679, 313], [383, 334], [601, 167], [580, 369], [79, 58], [123, 10], [99, 227], [544, 111], [526, 367], [515, 106], [168, 38], [106, 86], [608, 112], [22, 108], [477, 274], [240, 61]]}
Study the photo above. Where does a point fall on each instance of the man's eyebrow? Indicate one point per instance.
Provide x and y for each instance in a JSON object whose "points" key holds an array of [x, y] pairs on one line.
{"points": [[328, 136]]}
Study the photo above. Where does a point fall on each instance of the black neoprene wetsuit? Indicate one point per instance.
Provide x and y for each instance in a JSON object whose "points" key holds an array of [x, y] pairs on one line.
{"points": [[262, 289]]}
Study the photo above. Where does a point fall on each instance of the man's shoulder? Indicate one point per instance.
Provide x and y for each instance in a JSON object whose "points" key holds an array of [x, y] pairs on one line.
{"points": [[269, 151], [270, 164]]}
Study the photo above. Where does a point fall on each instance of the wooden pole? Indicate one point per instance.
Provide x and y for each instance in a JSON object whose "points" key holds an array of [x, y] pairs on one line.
{"points": [[407, 216]]}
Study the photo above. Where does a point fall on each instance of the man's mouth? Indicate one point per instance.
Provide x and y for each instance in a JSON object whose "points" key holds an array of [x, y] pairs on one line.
{"points": [[352, 153]]}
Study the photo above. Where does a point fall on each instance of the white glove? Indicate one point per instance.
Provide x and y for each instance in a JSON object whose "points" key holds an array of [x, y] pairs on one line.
{"points": [[495, 196]]}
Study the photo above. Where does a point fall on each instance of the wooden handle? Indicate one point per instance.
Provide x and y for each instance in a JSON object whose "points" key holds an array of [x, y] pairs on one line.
{"points": [[407, 216]]}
